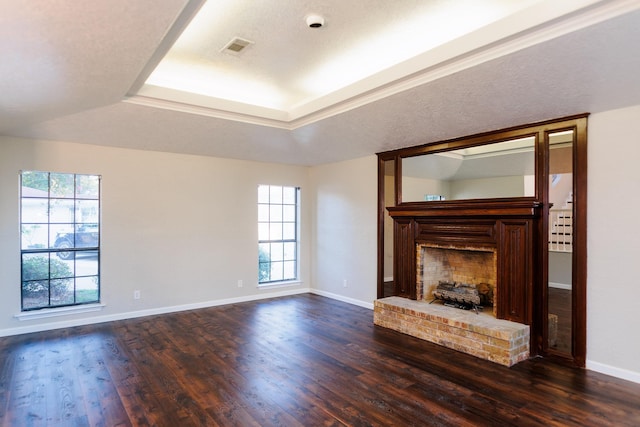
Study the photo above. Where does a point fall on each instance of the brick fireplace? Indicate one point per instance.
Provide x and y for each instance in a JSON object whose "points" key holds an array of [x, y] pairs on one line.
{"points": [[490, 244]]}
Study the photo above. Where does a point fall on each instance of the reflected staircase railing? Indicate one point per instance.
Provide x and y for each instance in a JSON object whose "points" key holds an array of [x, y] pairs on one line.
{"points": [[561, 230]]}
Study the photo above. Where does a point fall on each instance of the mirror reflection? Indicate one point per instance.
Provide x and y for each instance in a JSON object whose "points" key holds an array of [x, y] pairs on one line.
{"points": [[502, 169], [389, 200], [560, 284]]}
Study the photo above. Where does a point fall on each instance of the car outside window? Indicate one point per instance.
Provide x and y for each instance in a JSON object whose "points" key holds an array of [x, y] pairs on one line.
{"points": [[60, 239]]}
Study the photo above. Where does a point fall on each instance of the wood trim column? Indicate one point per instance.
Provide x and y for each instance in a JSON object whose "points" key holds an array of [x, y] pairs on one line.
{"points": [[515, 280], [404, 258]]}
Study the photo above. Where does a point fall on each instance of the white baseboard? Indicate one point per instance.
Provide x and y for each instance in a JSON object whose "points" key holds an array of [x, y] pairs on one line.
{"points": [[149, 312], [623, 374], [560, 286], [342, 298]]}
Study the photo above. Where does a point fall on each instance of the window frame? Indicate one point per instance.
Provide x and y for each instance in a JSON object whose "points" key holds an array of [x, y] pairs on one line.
{"points": [[52, 228], [295, 241]]}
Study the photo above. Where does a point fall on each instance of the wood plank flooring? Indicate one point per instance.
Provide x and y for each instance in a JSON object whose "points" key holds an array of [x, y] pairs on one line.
{"points": [[560, 305], [304, 360]]}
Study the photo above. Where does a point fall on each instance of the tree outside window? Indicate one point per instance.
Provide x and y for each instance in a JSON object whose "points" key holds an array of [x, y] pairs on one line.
{"points": [[277, 233]]}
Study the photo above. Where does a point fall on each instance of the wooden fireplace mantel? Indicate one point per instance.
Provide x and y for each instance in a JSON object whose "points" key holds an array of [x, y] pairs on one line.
{"points": [[491, 208], [510, 226]]}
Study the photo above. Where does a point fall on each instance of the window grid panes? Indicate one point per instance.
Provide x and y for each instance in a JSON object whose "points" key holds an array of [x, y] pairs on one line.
{"points": [[277, 233], [60, 239]]}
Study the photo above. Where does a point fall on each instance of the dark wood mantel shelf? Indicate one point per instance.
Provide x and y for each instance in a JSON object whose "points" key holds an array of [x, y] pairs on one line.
{"points": [[490, 208]]}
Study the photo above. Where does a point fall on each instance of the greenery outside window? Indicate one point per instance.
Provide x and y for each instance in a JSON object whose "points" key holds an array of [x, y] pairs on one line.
{"points": [[277, 233], [60, 239]]}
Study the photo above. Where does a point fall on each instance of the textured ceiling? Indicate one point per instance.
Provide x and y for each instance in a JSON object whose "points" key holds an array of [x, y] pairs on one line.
{"points": [[67, 68]]}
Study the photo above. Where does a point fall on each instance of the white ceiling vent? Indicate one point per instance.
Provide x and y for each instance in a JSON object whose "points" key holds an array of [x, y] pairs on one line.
{"points": [[236, 46]]}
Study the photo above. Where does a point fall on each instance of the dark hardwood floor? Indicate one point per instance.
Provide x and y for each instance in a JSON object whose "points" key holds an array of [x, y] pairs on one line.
{"points": [[560, 305], [297, 361]]}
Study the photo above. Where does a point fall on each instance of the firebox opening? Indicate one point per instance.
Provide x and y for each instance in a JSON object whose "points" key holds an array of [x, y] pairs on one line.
{"points": [[446, 270]]}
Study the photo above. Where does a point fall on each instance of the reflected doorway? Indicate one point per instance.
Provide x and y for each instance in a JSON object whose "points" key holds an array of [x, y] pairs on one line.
{"points": [[560, 248]]}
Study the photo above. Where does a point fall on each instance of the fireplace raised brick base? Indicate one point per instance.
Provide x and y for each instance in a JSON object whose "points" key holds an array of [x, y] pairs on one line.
{"points": [[481, 335]]}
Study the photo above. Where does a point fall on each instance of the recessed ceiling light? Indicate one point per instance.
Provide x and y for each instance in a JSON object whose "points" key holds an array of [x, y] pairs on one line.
{"points": [[236, 45]]}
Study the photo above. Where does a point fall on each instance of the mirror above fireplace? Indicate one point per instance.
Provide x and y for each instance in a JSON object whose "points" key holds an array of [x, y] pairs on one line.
{"points": [[496, 170]]}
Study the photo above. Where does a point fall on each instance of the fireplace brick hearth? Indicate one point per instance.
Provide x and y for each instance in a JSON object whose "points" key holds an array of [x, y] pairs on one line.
{"points": [[497, 340]]}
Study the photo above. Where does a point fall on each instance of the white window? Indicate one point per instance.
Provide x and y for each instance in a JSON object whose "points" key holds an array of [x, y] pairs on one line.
{"points": [[277, 233], [60, 239]]}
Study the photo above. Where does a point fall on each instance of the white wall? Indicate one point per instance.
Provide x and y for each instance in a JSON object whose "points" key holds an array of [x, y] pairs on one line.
{"points": [[560, 269], [345, 236], [414, 189], [181, 229], [613, 290]]}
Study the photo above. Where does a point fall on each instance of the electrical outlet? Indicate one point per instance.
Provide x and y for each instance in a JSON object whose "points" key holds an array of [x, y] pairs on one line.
{"points": [[344, 283], [136, 294], [240, 283]]}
